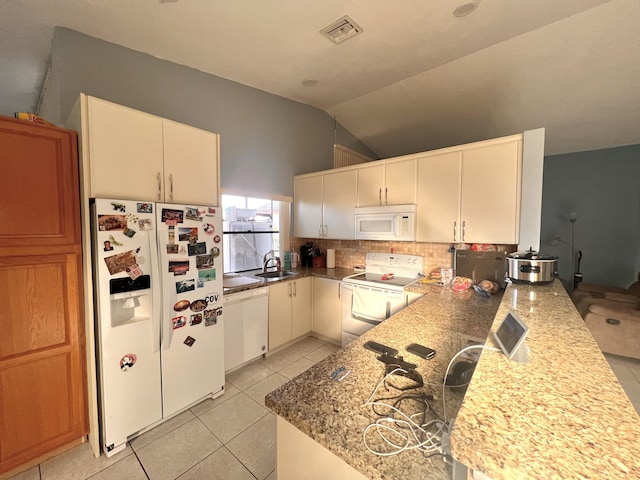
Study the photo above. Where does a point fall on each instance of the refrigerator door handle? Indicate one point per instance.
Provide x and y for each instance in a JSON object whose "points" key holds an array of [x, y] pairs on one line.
{"points": [[156, 294], [166, 330]]}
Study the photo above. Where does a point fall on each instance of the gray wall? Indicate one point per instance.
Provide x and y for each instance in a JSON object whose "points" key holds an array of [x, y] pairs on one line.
{"points": [[265, 139], [603, 188]]}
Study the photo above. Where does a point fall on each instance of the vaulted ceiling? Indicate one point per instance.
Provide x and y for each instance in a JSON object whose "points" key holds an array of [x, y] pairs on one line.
{"points": [[416, 78]]}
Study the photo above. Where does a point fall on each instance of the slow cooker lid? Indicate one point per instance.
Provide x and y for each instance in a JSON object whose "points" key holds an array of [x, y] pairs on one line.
{"points": [[531, 255]]}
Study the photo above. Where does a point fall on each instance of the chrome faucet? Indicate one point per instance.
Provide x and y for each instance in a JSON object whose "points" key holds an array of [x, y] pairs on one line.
{"points": [[265, 261]]}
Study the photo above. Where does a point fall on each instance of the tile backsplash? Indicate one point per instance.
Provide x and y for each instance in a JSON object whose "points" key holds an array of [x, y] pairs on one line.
{"points": [[352, 252]]}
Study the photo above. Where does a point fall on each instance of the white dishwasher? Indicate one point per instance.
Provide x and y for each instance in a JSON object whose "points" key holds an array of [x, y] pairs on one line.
{"points": [[246, 326]]}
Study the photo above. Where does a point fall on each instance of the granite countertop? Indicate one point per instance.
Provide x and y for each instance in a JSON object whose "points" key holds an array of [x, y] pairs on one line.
{"points": [[330, 273], [332, 413], [561, 415]]}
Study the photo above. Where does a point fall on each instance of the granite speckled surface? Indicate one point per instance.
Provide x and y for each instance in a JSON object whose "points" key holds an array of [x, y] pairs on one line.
{"points": [[332, 413], [331, 273], [561, 415]]}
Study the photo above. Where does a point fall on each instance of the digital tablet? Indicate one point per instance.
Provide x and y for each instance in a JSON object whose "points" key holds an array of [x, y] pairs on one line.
{"points": [[511, 334]]}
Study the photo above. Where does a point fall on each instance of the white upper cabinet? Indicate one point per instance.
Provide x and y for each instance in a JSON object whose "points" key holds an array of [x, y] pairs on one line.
{"points": [[136, 155], [125, 152], [465, 194], [399, 182], [490, 193], [438, 205], [307, 206], [387, 182], [471, 195], [191, 167], [339, 199], [324, 205], [370, 181]]}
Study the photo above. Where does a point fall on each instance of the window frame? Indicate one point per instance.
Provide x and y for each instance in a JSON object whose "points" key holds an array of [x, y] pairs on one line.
{"points": [[284, 224]]}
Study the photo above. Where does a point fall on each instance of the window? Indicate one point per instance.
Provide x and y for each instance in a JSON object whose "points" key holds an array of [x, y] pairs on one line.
{"points": [[251, 228]]}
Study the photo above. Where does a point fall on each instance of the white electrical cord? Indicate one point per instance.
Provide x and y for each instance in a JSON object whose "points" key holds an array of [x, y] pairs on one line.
{"points": [[405, 428]]}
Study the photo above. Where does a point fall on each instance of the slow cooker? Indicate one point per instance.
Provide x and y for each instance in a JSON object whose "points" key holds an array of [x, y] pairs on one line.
{"points": [[532, 267]]}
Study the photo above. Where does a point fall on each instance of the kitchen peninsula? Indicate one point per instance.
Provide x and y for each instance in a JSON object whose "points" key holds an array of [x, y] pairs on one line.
{"points": [[561, 415]]}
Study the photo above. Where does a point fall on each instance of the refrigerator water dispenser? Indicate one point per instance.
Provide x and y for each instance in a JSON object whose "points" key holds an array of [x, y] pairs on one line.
{"points": [[130, 300]]}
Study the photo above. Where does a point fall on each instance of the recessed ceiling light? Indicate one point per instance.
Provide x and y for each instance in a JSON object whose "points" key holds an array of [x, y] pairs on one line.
{"points": [[309, 82], [341, 30], [465, 9]]}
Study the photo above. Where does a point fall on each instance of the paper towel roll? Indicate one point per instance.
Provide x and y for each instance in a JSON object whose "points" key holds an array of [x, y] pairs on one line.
{"points": [[331, 258]]}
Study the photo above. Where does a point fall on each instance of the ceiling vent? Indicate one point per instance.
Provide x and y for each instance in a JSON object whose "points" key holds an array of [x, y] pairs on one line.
{"points": [[341, 30]]}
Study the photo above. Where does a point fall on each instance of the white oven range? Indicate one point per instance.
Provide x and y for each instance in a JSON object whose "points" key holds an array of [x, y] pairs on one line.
{"points": [[374, 295]]}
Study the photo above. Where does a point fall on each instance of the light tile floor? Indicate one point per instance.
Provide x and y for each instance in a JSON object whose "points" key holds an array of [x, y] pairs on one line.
{"points": [[628, 372], [230, 438]]}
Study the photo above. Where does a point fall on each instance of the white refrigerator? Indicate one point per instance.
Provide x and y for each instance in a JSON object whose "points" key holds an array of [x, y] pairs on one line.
{"points": [[158, 296]]}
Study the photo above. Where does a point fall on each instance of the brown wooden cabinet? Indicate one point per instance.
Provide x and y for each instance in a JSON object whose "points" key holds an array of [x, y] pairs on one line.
{"points": [[43, 404]]}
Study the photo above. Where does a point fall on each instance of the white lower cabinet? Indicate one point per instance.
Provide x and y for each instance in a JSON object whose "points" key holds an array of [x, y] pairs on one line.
{"points": [[327, 319], [246, 326], [289, 311]]}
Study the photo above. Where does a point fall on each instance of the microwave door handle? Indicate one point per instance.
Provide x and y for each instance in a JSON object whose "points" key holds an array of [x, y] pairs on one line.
{"points": [[396, 225]]}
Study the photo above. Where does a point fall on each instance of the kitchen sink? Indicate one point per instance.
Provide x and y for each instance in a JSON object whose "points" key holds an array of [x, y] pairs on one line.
{"points": [[276, 275]]}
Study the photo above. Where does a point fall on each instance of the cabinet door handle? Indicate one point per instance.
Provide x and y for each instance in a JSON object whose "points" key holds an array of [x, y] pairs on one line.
{"points": [[171, 186], [290, 289], [339, 290], [386, 196], [464, 229], [455, 230], [159, 186], [324, 231], [380, 195], [320, 230], [294, 289]]}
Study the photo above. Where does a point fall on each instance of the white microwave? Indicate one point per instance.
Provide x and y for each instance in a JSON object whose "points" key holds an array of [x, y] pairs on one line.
{"points": [[394, 223]]}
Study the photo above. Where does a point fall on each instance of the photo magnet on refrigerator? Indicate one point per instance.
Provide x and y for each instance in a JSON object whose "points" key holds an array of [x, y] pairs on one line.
{"points": [[178, 322], [189, 341], [132, 218], [196, 319], [197, 249], [128, 361], [192, 214], [144, 224], [207, 275], [185, 285], [198, 305], [134, 271], [114, 241], [145, 207], [211, 316], [171, 216], [111, 222], [188, 234]]}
